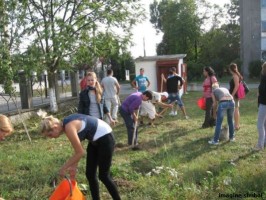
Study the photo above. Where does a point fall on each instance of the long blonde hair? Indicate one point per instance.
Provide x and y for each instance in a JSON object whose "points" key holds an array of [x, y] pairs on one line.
{"points": [[263, 69], [5, 124], [234, 69], [98, 88]]}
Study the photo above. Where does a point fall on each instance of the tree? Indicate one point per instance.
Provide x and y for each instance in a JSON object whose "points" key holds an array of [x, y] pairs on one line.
{"points": [[10, 23], [61, 29], [180, 26], [219, 47]]}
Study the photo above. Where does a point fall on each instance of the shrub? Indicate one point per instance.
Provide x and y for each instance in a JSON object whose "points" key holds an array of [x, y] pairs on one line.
{"points": [[254, 68]]}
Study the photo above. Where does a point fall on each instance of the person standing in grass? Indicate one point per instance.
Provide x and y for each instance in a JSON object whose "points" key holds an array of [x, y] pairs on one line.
{"points": [[173, 84], [6, 127], [223, 102], [234, 85], [141, 82], [91, 100], [111, 89], [261, 123], [78, 127], [210, 78]]}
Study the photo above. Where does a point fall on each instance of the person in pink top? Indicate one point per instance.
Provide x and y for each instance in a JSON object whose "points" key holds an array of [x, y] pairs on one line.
{"points": [[210, 79]]}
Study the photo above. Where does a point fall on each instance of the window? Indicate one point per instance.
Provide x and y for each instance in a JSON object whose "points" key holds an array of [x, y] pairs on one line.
{"points": [[263, 3], [263, 26]]}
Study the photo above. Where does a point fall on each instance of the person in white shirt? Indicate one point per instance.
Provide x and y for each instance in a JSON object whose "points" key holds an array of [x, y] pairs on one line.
{"points": [[148, 107], [111, 89]]}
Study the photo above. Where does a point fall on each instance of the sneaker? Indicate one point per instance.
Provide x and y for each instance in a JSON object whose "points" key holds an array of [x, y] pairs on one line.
{"points": [[136, 148], [232, 140], [213, 143], [172, 113], [175, 113], [186, 117]]}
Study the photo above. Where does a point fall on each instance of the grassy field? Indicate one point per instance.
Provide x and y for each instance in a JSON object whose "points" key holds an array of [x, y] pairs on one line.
{"points": [[175, 161]]}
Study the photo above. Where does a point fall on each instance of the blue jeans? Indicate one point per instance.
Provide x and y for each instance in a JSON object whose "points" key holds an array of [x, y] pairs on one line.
{"points": [[175, 97], [229, 108], [261, 126], [130, 125]]}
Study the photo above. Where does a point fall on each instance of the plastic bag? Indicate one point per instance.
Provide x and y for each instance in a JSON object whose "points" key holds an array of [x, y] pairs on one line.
{"points": [[67, 190], [202, 103], [241, 91]]}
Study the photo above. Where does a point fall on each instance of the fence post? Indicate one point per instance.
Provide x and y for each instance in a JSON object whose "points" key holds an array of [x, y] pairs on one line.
{"points": [[74, 79], [25, 91]]}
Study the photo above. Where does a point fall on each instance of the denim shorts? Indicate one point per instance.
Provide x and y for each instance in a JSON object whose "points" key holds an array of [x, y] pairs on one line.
{"points": [[174, 97]]}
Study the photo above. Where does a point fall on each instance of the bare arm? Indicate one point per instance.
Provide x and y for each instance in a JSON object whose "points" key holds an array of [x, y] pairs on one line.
{"points": [[117, 88], [236, 83], [214, 106], [71, 133], [133, 83], [163, 78], [149, 83]]}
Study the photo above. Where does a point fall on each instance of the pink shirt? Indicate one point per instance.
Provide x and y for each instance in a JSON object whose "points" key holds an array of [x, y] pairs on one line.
{"points": [[207, 86]]}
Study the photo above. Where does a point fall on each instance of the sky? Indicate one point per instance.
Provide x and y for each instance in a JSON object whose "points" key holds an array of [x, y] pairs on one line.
{"points": [[145, 32]]}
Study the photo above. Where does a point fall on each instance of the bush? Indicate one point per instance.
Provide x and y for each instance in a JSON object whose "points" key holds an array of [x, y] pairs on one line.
{"points": [[254, 68], [194, 71]]}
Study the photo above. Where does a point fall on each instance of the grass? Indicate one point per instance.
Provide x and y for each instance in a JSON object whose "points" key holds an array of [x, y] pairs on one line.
{"points": [[175, 162]]}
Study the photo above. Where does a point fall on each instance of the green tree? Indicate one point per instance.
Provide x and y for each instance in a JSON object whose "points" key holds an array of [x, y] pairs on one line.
{"points": [[69, 29], [180, 26], [219, 47], [11, 15]]}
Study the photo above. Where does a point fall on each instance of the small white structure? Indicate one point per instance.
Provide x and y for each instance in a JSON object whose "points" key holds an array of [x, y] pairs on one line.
{"points": [[154, 66]]}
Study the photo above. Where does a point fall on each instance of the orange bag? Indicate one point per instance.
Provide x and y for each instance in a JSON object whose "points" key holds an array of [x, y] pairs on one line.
{"points": [[67, 190]]}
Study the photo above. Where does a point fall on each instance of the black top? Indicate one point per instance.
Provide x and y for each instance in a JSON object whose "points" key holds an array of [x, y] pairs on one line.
{"points": [[91, 125], [172, 84], [84, 104], [262, 90]]}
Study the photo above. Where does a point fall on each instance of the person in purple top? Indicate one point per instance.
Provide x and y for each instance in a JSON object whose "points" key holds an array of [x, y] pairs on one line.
{"points": [[127, 111]]}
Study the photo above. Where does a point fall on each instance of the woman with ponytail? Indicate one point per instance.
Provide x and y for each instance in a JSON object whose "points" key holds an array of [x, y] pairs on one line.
{"points": [[91, 100], [234, 84]]}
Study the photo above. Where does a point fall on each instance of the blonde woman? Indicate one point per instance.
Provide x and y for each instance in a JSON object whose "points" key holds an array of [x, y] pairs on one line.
{"points": [[78, 127], [5, 127], [234, 84], [91, 100], [261, 123]]}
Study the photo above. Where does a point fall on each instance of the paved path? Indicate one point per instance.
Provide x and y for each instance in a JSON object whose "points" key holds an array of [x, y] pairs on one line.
{"points": [[7, 104]]}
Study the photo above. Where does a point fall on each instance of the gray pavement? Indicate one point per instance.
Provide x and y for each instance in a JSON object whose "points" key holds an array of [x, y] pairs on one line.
{"points": [[8, 104]]}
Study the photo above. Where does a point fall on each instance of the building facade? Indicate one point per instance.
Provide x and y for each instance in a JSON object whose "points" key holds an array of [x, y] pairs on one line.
{"points": [[253, 32]]}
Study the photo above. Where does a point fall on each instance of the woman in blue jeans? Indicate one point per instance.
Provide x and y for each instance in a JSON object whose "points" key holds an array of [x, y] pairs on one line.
{"points": [[223, 102], [78, 127]]}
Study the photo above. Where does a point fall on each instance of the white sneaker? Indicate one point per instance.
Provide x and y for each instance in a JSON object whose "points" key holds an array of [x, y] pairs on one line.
{"points": [[213, 143], [186, 117], [172, 113], [175, 113]]}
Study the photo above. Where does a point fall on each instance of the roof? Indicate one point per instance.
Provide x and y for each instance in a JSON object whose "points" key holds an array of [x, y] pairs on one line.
{"points": [[161, 57]]}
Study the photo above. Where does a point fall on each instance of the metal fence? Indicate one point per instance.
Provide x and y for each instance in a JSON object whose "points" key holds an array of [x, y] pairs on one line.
{"points": [[39, 91]]}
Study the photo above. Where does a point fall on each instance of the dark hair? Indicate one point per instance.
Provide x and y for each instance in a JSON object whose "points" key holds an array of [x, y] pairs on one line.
{"points": [[210, 71], [148, 94], [141, 69], [109, 71]]}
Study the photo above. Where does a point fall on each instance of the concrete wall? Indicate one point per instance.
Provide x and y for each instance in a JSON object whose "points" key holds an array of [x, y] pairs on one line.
{"points": [[250, 27], [150, 71]]}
